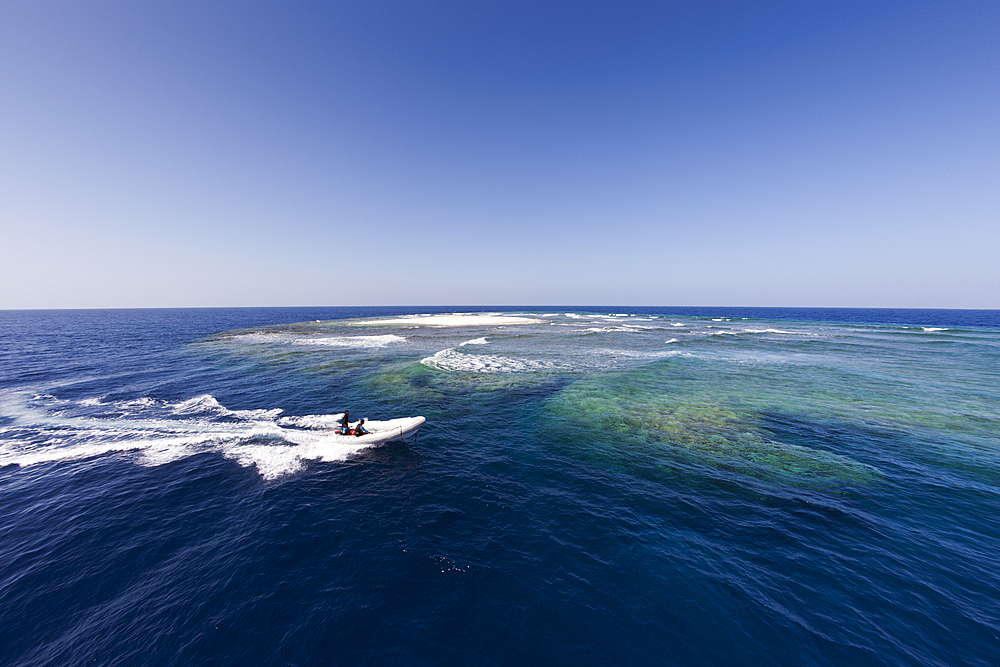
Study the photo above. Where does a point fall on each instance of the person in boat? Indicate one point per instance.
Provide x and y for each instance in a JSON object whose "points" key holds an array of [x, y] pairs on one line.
{"points": [[345, 424], [360, 429]]}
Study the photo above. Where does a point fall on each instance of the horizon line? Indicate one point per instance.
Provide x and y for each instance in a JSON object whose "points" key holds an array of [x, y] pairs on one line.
{"points": [[491, 306]]}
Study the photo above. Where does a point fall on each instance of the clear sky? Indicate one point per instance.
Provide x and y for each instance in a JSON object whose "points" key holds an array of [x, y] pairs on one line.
{"points": [[741, 153]]}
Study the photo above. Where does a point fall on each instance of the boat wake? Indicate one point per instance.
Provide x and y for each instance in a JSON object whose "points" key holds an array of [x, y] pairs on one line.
{"points": [[36, 429]]}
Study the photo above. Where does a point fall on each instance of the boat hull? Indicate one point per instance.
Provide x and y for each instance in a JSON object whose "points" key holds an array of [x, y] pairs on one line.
{"points": [[391, 430]]}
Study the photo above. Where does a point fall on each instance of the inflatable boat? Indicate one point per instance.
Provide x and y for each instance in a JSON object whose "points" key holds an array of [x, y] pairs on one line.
{"points": [[381, 431]]}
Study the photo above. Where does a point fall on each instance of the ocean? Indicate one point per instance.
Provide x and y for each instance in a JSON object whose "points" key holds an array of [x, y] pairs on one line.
{"points": [[593, 486]]}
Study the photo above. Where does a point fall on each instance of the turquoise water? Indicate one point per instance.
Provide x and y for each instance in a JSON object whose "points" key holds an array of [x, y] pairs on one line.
{"points": [[662, 486]]}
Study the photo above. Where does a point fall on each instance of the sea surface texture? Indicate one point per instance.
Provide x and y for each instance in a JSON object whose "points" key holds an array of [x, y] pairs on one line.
{"points": [[644, 486]]}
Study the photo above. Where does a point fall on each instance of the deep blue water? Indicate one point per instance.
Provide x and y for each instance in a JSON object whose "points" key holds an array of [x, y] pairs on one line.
{"points": [[670, 486]]}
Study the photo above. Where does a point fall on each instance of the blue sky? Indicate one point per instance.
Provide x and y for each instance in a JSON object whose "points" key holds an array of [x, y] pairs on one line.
{"points": [[841, 154]]}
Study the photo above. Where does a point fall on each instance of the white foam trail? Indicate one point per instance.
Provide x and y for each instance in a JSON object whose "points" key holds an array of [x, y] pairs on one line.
{"points": [[327, 422], [934, 328], [207, 405], [45, 429], [672, 340]]}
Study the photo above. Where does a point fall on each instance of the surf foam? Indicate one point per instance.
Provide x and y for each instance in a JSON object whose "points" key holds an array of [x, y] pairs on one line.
{"points": [[322, 341], [456, 320], [454, 360], [475, 341]]}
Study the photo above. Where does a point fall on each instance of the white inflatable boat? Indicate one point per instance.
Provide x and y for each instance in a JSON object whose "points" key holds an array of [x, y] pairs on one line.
{"points": [[381, 431]]}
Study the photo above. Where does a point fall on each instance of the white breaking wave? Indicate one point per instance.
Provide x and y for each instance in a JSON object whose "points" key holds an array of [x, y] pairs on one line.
{"points": [[353, 341], [610, 353], [475, 341], [455, 320], [453, 360], [737, 332], [324, 341], [45, 429], [779, 331], [627, 328]]}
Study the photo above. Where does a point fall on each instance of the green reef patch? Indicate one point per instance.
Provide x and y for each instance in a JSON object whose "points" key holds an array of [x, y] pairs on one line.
{"points": [[414, 380], [678, 415]]}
